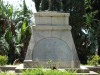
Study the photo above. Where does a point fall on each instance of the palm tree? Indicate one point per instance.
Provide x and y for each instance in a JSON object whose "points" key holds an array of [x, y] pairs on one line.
{"points": [[15, 29]]}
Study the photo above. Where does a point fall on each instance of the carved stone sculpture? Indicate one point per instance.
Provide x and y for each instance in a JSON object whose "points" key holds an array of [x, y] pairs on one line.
{"points": [[52, 5]]}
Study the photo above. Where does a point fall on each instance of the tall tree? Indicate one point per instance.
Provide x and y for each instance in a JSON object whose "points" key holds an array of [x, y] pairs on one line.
{"points": [[93, 24], [85, 22], [15, 30]]}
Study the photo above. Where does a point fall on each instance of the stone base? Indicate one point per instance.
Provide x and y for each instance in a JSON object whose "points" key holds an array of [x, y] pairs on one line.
{"points": [[51, 44], [49, 64], [7, 68], [95, 69]]}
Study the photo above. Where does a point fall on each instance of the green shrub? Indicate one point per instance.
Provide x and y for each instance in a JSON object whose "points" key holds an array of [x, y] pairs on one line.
{"points": [[3, 73], [3, 60], [94, 60], [47, 72]]}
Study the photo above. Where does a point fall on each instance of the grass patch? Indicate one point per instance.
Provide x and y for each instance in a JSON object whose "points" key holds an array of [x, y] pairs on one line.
{"points": [[6, 73], [42, 72], [47, 72]]}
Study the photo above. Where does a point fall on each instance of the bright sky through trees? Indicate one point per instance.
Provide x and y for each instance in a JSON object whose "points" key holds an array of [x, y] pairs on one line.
{"points": [[16, 4]]}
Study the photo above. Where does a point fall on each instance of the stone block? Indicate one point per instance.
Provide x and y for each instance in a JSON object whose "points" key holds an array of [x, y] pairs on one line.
{"points": [[44, 21], [51, 18], [57, 20]]}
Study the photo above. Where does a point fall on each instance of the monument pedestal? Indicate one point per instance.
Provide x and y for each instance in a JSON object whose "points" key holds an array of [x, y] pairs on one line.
{"points": [[51, 43]]}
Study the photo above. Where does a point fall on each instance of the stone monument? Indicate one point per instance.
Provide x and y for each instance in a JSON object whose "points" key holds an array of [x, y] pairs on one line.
{"points": [[51, 43]]}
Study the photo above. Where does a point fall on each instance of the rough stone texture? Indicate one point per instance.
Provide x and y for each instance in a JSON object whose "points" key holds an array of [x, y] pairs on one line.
{"points": [[51, 43], [95, 69], [51, 18]]}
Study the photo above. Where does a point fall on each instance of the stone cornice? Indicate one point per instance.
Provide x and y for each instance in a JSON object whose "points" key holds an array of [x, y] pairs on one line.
{"points": [[44, 27]]}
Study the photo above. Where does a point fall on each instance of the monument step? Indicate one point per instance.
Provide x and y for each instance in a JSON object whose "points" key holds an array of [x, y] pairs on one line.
{"points": [[7, 68]]}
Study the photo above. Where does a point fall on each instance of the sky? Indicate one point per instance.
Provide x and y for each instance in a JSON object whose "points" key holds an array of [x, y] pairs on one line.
{"points": [[16, 4]]}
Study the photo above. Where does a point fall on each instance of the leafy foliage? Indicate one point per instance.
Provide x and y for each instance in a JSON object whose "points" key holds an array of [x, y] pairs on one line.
{"points": [[92, 26], [3, 60], [16, 31], [94, 60]]}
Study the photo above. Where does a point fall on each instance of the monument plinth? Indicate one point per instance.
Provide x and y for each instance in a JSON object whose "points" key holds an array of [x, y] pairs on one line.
{"points": [[51, 43]]}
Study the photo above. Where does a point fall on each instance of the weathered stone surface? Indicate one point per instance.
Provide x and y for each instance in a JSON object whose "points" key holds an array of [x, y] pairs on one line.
{"points": [[51, 42], [53, 18]]}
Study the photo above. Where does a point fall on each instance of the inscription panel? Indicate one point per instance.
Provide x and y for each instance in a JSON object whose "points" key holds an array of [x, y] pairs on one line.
{"points": [[52, 49]]}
